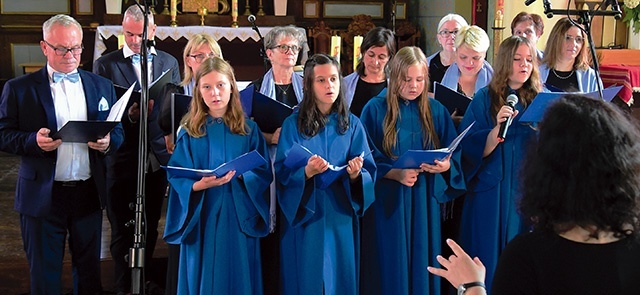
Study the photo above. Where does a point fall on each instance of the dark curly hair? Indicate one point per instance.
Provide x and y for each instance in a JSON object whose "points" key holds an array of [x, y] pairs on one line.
{"points": [[584, 171]]}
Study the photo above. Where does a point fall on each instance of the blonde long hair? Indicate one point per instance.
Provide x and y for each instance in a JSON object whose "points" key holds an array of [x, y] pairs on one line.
{"points": [[406, 57], [195, 119]]}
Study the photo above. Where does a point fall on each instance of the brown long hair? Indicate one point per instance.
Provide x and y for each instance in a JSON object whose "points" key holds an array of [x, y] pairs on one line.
{"points": [[556, 42], [503, 68], [406, 57], [233, 117]]}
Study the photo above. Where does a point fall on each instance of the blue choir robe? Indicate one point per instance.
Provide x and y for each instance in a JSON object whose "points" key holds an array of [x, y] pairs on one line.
{"points": [[489, 215], [320, 246], [218, 229], [401, 230]]}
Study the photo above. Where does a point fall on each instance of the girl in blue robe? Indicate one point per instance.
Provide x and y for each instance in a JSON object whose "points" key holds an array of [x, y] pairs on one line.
{"points": [[491, 167], [218, 221], [401, 231], [320, 246]]}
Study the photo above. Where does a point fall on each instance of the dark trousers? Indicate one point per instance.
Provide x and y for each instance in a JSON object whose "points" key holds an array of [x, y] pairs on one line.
{"points": [[75, 213], [122, 193]]}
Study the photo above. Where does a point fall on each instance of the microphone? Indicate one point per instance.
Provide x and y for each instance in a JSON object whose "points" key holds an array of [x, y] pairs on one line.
{"points": [[529, 2], [615, 7], [547, 8], [512, 100], [252, 19]]}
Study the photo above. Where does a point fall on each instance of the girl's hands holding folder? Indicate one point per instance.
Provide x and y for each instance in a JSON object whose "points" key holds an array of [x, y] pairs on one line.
{"points": [[439, 167], [355, 165], [315, 165], [211, 181]]}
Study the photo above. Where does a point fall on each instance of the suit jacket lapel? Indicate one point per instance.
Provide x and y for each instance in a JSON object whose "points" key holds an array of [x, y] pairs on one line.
{"points": [[127, 71], [90, 95], [157, 68], [43, 91]]}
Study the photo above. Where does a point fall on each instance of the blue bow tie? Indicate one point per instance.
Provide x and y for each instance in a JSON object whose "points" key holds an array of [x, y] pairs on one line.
{"points": [[136, 58], [74, 77]]}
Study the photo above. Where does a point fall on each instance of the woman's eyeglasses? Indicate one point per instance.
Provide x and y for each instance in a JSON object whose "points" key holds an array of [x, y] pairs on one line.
{"points": [[283, 48], [200, 57]]}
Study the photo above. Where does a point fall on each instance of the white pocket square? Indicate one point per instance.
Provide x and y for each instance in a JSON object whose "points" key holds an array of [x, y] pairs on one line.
{"points": [[103, 105]]}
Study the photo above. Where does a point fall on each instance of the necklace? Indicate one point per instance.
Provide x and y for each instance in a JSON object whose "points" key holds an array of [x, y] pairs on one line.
{"points": [[561, 77], [284, 90]]}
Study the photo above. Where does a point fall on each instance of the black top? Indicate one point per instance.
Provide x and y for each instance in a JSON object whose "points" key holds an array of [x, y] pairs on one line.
{"points": [[365, 91], [436, 71], [546, 263], [565, 81], [284, 93]]}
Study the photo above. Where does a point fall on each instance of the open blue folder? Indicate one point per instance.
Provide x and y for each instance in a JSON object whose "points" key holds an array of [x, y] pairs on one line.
{"points": [[241, 164], [84, 131], [535, 111], [451, 99], [268, 113], [412, 159], [299, 155]]}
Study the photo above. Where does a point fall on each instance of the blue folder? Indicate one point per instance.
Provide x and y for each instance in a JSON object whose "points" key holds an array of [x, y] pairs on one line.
{"points": [[179, 107], [412, 159], [268, 113], [241, 164], [299, 155], [535, 111], [84, 131]]}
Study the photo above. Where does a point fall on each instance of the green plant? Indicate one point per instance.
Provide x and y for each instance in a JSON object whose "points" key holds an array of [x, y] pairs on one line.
{"points": [[632, 13]]}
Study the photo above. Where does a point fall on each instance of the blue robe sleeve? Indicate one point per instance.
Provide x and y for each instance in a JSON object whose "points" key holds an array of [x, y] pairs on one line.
{"points": [[182, 203], [450, 184], [472, 146], [296, 194], [359, 144], [253, 211]]}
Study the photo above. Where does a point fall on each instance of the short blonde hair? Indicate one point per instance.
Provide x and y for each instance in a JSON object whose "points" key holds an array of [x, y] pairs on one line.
{"points": [[196, 41], [474, 37]]}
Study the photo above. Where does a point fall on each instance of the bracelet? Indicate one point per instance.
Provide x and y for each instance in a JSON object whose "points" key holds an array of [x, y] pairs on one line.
{"points": [[463, 287]]}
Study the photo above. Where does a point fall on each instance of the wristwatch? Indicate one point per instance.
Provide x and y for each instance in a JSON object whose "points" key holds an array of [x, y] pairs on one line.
{"points": [[463, 287]]}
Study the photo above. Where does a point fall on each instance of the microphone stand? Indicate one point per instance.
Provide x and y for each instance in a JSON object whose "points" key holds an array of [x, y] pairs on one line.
{"points": [[586, 17], [137, 252], [263, 53]]}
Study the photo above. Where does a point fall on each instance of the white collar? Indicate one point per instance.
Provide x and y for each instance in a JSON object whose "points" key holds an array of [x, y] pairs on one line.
{"points": [[128, 52]]}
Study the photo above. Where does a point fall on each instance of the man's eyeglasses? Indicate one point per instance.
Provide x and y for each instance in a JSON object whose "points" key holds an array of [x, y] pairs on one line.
{"points": [[446, 33], [61, 51], [578, 39], [200, 57], [285, 48]]}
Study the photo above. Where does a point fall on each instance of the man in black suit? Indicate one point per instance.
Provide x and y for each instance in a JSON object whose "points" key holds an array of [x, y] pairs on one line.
{"points": [[123, 67], [61, 185]]}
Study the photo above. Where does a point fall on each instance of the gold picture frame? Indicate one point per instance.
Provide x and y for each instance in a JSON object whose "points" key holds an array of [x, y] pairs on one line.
{"points": [[194, 5], [343, 9], [84, 7], [48, 7], [310, 9], [401, 10]]}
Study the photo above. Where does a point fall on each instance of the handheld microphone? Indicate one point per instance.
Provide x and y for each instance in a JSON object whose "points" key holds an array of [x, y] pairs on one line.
{"points": [[512, 100], [529, 2], [252, 19]]}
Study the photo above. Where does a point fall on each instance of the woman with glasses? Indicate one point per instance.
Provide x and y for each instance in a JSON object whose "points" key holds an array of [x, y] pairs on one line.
{"points": [[440, 61], [530, 26], [565, 66], [491, 165], [282, 46], [370, 77], [199, 48]]}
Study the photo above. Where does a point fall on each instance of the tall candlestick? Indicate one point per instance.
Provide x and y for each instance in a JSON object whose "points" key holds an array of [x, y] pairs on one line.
{"points": [[174, 12], [336, 42], [357, 42], [234, 13]]}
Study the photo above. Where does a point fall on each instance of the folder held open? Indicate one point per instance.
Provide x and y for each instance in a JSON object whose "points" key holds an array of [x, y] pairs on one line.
{"points": [[240, 164], [84, 131], [412, 159], [268, 113], [299, 155]]}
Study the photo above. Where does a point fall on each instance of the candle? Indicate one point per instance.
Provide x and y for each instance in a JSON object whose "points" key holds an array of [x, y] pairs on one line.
{"points": [[173, 11], [357, 42], [335, 47], [234, 9]]}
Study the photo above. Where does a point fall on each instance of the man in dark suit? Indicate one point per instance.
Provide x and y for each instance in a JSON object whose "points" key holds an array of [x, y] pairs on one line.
{"points": [[61, 185], [123, 67]]}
